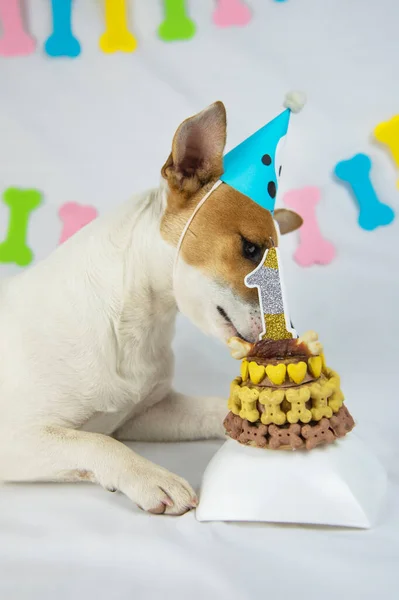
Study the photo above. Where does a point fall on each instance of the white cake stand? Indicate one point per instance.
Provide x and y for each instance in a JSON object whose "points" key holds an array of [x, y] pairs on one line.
{"points": [[341, 484]]}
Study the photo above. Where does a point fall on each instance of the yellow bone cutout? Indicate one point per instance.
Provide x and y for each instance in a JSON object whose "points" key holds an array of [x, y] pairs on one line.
{"points": [[256, 372], [248, 399], [388, 133], [271, 400], [298, 397], [117, 35], [320, 393], [276, 373]]}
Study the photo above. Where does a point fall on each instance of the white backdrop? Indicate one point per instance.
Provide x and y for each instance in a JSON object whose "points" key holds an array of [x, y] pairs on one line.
{"points": [[95, 130]]}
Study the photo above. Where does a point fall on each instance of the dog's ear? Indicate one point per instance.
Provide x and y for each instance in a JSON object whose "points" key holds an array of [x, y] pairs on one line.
{"points": [[288, 220], [197, 151]]}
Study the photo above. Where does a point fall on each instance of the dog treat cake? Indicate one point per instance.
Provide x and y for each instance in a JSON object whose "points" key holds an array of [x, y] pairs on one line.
{"points": [[286, 397]]}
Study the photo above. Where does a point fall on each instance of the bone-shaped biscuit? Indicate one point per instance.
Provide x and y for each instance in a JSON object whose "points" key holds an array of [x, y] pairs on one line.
{"points": [[234, 402], [233, 425], [15, 41], [298, 397], [320, 394], [388, 133], [313, 247], [248, 399], [74, 216], [117, 36], [177, 25], [271, 401], [231, 12], [21, 203], [253, 433], [356, 172], [62, 42]]}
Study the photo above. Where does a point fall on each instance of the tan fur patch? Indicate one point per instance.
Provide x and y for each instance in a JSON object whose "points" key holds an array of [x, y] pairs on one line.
{"points": [[213, 242]]}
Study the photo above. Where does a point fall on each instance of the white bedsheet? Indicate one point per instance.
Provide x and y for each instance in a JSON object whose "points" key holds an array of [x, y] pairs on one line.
{"points": [[96, 129]]}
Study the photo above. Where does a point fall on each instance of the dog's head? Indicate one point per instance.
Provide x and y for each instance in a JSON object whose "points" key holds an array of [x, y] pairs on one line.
{"points": [[227, 237]]}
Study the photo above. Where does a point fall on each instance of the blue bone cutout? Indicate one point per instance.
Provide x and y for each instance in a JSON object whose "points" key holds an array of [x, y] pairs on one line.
{"points": [[62, 42], [356, 172]]}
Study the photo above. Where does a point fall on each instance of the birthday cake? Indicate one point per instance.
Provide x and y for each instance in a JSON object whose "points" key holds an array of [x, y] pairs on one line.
{"points": [[286, 396]]}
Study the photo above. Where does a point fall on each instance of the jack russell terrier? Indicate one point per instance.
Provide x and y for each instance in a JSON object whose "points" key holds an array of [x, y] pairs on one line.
{"points": [[86, 358]]}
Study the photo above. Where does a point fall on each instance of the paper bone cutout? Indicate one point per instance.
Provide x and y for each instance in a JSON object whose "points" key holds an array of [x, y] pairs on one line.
{"points": [[62, 42], [388, 133], [177, 25], [231, 12], [313, 247], [356, 172], [15, 41], [117, 36], [74, 216]]}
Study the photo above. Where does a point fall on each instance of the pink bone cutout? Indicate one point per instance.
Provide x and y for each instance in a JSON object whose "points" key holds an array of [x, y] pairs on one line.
{"points": [[313, 248], [231, 12], [15, 40], [75, 216]]}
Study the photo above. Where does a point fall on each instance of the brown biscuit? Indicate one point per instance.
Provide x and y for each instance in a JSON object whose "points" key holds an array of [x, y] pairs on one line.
{"points": [[288, 436], [318, 434], [342, 423], [233, 425], [253, 433]]}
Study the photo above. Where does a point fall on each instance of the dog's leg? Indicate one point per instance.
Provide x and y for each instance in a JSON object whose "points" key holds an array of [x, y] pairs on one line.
{"points": [[177, 418], [61, 454]]}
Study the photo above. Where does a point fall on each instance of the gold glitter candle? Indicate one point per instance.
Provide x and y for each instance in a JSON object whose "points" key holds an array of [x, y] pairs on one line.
{"points": [[267, 278]]}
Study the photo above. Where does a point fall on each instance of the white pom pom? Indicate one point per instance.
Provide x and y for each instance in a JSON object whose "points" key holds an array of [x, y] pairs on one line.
{"points": [[295, 101]]}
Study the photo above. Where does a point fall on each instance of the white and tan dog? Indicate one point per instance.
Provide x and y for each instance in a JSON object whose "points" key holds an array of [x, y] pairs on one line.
{"points": [[86, 334]]}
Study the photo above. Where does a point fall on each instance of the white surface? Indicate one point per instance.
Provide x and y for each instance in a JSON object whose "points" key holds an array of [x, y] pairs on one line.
{"points": [[341, 484], [96, 129]]}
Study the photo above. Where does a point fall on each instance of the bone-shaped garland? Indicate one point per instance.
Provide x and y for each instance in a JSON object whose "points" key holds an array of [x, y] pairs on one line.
{"points": [[231, 12], [388, 133], [177, 25], [313, 247], [62, 42], [75, 216], [15, 41], [117, 35], [21, 203], [356, 173]]}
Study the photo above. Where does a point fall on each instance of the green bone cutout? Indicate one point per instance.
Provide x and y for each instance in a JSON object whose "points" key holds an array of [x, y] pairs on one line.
{"points": [[177, 24], [21, 203]]}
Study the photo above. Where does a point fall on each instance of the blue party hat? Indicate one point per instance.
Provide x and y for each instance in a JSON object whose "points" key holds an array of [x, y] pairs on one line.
{"points": [[254, 166]]}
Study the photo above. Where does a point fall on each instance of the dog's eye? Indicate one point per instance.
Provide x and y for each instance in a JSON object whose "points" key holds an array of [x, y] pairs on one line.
{"points": [[251, 251]]}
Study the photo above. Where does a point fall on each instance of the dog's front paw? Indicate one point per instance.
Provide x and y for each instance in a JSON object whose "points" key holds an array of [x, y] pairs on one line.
{"points": [[158, 491]]}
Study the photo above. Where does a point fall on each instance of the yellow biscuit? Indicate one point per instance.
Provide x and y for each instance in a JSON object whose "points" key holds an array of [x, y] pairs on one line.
{"points": [[271, 400], [336, 400], [298, 397], [297, 371], [248, 399], [256, 372], [276, 373], [234, 403], [315, 364], [244, 370]]}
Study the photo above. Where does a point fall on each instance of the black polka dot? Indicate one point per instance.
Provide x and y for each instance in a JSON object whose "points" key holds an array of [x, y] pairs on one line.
{"points": [[266, 159], [271, 188], [279, 171]]}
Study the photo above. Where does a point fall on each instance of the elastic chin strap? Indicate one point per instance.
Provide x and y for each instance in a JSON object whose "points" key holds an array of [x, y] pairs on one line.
{"points": [[187, 225]]}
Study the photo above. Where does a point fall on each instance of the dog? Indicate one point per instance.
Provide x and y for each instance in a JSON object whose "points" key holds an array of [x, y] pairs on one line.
{"points": [[86, 334]]}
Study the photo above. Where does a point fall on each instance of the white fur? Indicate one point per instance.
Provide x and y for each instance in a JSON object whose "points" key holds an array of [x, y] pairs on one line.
{"points": [[85, 352]]}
